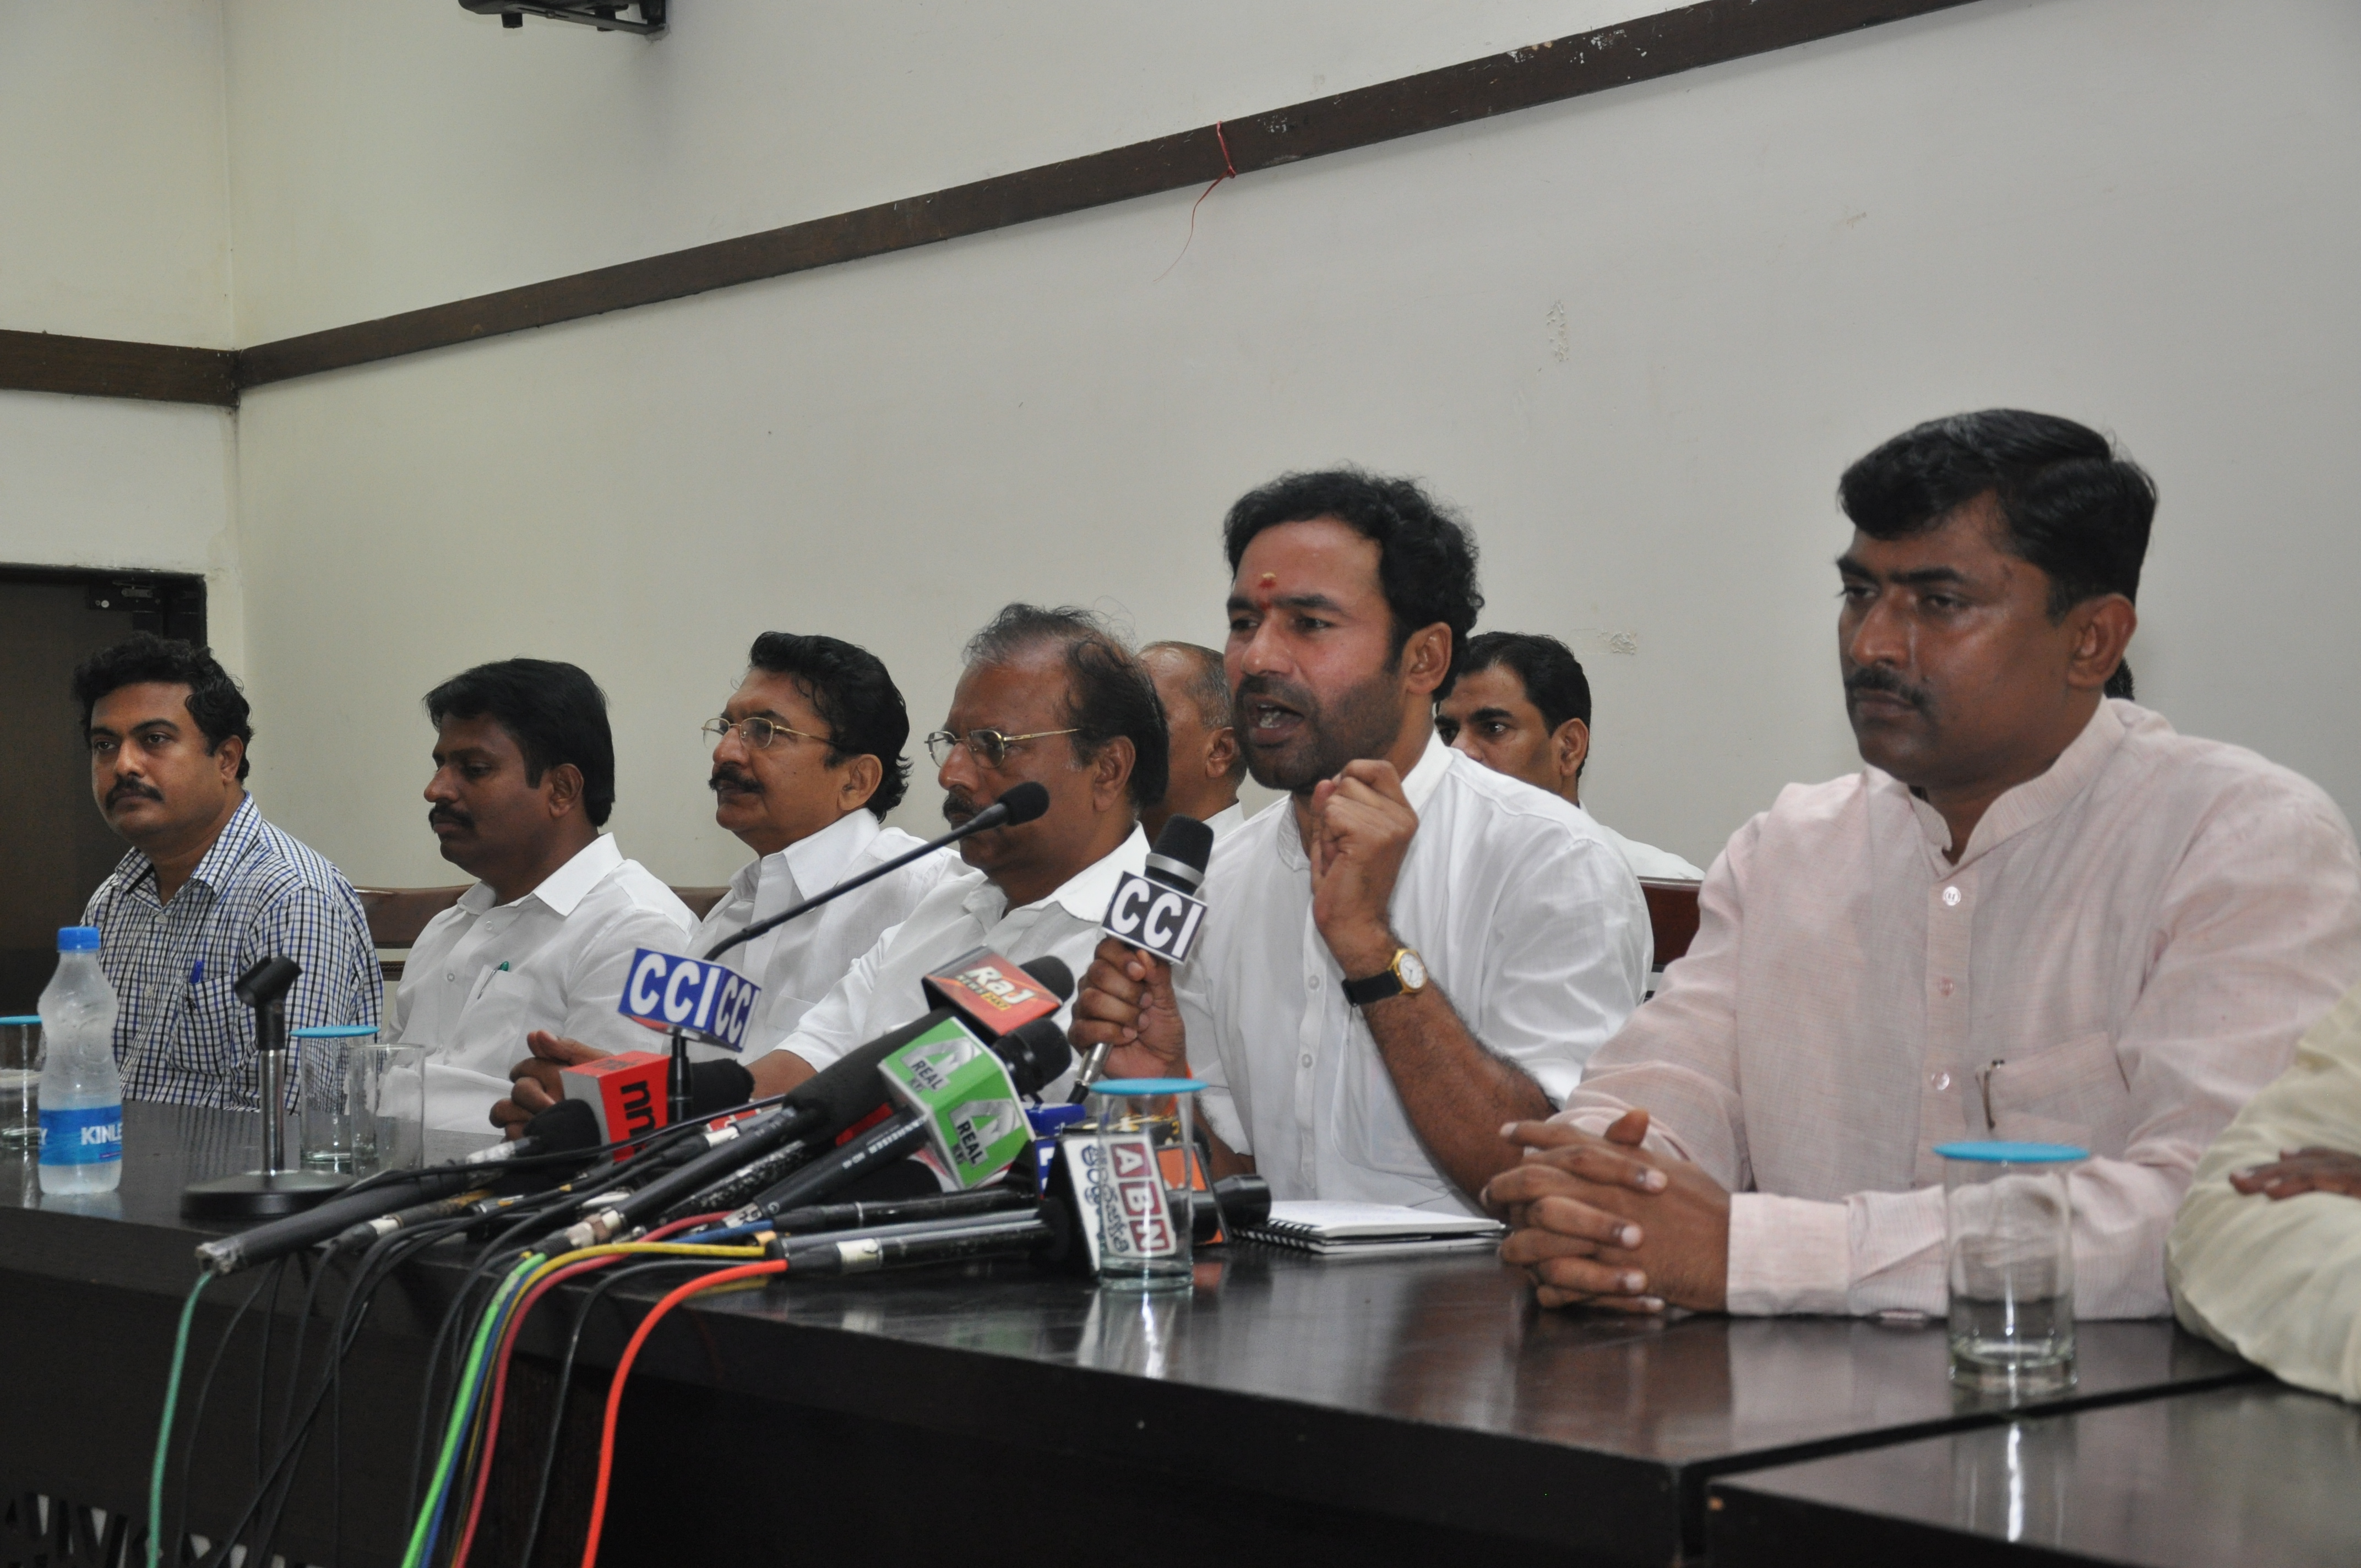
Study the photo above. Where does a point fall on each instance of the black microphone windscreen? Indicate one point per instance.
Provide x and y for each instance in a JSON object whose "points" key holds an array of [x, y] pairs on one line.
{"points": [[849, 1087], [1178, 857], [717, 1086], [1036, 1054], [1052, 975], [563, 1128], [1023, 802]]}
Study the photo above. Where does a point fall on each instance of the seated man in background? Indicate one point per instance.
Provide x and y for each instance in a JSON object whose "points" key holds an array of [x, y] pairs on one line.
{"points": [[524, 777], [807, 761], [208, 886], [1206, 761], [1410, 949], [1047, 695], [1521, 705], [2265, 1256], [2035, 914]]}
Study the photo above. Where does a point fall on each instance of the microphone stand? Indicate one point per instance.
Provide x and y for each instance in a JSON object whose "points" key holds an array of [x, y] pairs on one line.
{"points": [[1019, 806], [276, 1189]]}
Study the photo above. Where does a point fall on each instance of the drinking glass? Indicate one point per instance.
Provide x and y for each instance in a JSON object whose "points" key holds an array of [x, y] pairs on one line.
{"points": [[388, 1096], [2008, 1226], [324, 1111], [20, 1081], [1144, 1136]]}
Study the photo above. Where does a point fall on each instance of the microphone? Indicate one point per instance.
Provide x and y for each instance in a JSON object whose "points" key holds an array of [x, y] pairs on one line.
{"points": [[818, 1217], [1043, 1229], [1160, 913], [956, 1101], [1018, 804], [561, 1129]]}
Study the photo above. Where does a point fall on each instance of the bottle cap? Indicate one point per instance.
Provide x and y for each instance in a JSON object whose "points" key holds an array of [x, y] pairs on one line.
{"points": [[77, 939]]}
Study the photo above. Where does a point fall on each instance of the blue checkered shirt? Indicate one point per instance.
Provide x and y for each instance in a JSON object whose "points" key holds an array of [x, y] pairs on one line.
{"points": [[181, 1036]]}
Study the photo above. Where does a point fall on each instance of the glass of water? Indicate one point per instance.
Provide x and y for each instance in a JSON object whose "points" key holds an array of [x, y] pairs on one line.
{"points": [[2008, 1227], [1144, 1139], [386, 1087], [324, 1110], [20, 1081]]}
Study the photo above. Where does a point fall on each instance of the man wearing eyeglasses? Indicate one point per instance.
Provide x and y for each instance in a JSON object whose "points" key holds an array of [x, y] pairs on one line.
{"points": [[807, 762], [1047, 695]]}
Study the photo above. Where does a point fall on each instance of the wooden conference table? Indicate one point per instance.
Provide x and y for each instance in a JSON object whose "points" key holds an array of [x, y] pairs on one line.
{"points": [[1289, 1409]]}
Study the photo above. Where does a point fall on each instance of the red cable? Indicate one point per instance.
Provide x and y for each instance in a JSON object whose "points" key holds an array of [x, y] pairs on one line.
{"points": [[623, 1371], [490, 1431]]}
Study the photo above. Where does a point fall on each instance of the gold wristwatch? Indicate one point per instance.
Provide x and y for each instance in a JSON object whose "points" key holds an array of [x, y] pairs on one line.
{"points": [[1406, 976]]}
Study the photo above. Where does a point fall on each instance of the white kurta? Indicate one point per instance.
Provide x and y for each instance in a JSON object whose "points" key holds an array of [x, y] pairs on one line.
{"points": [[481, 977]]}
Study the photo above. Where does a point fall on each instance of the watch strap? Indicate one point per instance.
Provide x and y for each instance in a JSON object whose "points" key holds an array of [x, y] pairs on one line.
{"points": [[1376, 988]]}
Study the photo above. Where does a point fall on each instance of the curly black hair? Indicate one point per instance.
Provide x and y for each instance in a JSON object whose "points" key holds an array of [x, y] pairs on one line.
{"points": [[214, 700], [1426, 555]]}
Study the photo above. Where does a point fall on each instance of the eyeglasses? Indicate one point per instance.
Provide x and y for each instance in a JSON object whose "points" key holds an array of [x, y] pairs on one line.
{"points": [[990, 747], [757, 732]]}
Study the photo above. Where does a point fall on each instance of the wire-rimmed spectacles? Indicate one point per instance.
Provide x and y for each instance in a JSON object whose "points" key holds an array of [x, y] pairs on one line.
{"points": [[757, 732], [989, 747]]}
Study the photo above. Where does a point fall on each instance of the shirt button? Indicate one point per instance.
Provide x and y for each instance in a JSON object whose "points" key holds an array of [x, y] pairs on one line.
{"points": [[1315, 983], [1307, 1058], [448, 974], [1951, 898], [1938, 1081], [1944, 987]]}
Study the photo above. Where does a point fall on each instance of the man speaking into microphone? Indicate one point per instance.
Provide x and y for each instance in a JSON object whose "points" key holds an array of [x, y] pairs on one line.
{"points": [[1410, 948], [1048, 697]]}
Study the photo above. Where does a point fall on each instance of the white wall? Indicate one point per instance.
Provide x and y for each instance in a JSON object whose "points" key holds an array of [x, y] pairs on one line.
{"points": [[114, 222], [1637, 336]]}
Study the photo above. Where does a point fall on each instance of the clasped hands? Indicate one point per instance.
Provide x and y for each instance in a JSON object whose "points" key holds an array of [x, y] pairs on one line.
{"points": [[1600, 1221]]}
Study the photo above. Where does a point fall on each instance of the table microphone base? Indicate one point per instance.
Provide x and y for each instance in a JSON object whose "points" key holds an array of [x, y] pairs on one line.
{"points": [[258, 1194]]}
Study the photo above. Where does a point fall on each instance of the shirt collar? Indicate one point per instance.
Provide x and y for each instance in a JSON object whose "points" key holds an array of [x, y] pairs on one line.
{"points": [[818, 862], [1419, 785], [229, 846], [1085, 894], [567, 886], [2031, 803]]}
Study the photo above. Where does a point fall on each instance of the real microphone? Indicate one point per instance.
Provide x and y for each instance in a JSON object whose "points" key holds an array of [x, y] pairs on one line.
{"points": [[556, 1131], [1159, 913]]}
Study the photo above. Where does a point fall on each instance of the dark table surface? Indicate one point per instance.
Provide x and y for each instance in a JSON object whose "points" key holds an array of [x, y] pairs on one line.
{"points": [[1422, 1389], [2260, 1474]]}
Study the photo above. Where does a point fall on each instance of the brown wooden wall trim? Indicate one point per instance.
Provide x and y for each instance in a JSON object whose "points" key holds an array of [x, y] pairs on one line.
{"points": [[106, 368], [1664, 44]]}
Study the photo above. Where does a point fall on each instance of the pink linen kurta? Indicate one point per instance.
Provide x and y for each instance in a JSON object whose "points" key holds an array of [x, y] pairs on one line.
{"points": [[2124, 954]]}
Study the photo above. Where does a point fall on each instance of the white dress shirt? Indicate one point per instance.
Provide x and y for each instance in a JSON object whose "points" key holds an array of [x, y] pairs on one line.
{"points": [[797, 963], [1646, 859], [964, 911], [1526, 917], [481, 977], [1227, 820]]}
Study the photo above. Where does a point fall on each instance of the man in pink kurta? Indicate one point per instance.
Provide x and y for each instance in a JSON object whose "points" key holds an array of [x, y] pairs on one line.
{"points": [[2038, 914]]}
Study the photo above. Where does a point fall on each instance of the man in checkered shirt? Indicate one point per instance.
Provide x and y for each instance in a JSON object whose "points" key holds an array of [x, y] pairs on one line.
{"points": [[209, 886]]}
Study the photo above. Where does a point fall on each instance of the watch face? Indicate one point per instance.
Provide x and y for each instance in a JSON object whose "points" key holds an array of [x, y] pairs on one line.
{"points": [[1412, 969]]}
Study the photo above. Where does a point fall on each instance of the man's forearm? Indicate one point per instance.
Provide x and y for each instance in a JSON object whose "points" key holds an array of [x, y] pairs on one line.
{"points": [[1458, 1094]]}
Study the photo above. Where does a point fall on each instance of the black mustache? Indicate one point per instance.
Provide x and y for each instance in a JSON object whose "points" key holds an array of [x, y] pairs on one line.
{"points": [[1276, 690], [1878, 678], [958, 806], [132, 786], [733, 778], [450, 814]]}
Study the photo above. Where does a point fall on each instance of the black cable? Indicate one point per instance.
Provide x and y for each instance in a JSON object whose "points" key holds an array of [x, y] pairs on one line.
{"points": [[197, 1411], [262, 1367], [606, 1282]]}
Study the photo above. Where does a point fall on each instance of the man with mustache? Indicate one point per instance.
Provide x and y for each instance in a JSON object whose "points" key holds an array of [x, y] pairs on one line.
{"points": [[807, 761], [524, 778], [1047, 695], [2036, 914], [208, 886], [1410, 949], [1521, 705]]}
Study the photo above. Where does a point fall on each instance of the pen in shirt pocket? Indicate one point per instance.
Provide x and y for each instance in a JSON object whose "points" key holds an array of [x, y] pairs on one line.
{"points": [[197, 973]]}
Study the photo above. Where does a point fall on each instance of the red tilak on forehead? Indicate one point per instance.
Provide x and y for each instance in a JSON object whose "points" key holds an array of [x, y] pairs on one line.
{"points": [[1268, 578]]}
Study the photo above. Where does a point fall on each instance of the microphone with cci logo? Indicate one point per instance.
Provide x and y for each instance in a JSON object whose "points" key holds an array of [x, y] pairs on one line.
{"points": [[1160, 913]]}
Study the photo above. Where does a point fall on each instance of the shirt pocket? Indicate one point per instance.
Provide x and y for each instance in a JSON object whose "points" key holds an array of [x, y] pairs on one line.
{"points": [[490, 1035], [2071, 1094], [1374, 1130], [204, 1039]]}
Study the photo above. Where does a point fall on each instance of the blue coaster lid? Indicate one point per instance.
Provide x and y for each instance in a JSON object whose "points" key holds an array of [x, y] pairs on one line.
{"points": [[20, 1018], [1047, 1119], [2004, 1153], [1147, 1085], [330, 1031]]}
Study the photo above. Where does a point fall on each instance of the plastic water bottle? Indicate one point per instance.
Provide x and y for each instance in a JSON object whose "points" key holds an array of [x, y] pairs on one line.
{"points": [[82, 1092]]}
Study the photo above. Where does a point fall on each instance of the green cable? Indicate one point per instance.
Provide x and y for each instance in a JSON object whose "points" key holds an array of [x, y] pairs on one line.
{"points": [[461, 1409], [164, 1434]]}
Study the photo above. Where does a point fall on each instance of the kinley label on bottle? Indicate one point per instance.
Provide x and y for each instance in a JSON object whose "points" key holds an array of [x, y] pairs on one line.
{"points": [[87, 1134]]}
